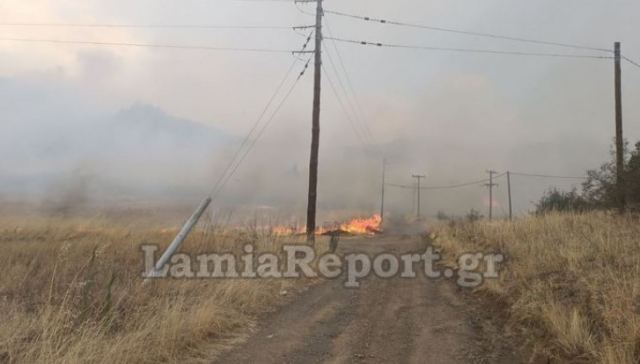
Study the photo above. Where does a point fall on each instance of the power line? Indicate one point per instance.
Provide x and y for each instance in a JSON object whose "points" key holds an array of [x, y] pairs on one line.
{"points": [[358, 107], [478, 182], [546, 176], [346, 96], [631, 61], [302, 10], [148, 26], [344, 109], [260, 133], [247, 138], [446, 187], [148, 45], [347, 99], [472, 183], [225, 176], [468, 50], [195, 217], [457, 31]]}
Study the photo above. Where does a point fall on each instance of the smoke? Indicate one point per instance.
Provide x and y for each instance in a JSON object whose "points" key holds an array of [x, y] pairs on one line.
{"points": [[70, 195], [69, 156], [97, 126]]}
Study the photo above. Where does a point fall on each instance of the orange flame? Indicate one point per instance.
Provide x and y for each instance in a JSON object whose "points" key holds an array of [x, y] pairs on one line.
{"points": [[286, 230], [357, 226], [370, 225]]}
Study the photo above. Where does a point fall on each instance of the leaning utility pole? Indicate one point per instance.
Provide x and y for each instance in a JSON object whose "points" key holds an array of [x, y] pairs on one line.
{"points": [[315, 129], [418, 177], [491, 185], [384, 166], [620, 183], [156, 271]]}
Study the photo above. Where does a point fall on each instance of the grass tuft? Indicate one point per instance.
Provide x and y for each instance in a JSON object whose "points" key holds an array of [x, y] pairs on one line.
{"points": [[71, 292], [570, 286]]}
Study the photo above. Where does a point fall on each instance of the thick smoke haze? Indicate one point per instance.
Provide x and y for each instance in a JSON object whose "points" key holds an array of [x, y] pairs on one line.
{"points": [[84, 125]]}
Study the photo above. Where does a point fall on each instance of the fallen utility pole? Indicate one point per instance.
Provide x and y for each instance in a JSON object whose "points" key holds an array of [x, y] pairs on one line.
{"points": [[178, 240], [315, 129], [620, 183], [418, 177]]}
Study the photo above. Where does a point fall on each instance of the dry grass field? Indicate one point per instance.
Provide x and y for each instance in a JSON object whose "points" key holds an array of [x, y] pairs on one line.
{"points": [[71, 292], [570, 288], [71, 289]]}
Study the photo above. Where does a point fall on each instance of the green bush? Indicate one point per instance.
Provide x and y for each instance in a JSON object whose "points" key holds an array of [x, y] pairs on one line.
{"points": [[561, 201]]}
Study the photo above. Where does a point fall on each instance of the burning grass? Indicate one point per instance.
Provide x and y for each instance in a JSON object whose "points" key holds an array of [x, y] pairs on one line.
{"points": [[357, 226], [570, 289], [71, 292]]}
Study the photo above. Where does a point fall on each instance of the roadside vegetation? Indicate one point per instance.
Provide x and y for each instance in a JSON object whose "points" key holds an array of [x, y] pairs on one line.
{"points": [[569, 290], [599, 191], [71, 292], [570, 287]]}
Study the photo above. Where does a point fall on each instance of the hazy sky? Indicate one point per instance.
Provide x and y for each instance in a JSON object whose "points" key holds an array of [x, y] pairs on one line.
{"points": [[449, 115]]}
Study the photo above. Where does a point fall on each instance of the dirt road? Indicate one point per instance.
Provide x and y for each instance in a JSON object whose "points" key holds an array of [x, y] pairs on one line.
{"points": [[384, 321]]}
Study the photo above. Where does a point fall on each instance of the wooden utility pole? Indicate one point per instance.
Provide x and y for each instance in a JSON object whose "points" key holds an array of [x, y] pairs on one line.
{"points": [[620, 183], [315, 129], [491, 185], [418, 177], [384, 166], [509, 190]]}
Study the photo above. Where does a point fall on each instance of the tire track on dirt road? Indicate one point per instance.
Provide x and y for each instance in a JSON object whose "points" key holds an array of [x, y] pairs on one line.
{"points": [[384, 321]]}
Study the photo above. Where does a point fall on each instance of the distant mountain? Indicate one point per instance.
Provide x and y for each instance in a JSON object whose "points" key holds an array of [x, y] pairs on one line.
{"points": [[50, 138], [136, 131], [144, 122]]}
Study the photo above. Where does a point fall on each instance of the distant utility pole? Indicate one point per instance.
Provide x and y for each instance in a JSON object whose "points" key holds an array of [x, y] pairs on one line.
{"points": [[315, 129], [620, 183], [418, 177], [491, 185], [509, 190], [384, 166]]}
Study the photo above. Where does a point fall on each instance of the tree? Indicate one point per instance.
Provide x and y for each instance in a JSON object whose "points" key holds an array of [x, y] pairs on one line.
{"points": [[600, 189], [560, 201], [442, 216], [632, 175], [473, 215]]}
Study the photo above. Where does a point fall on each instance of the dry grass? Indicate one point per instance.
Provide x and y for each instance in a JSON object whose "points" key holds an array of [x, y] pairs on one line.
{"points": [[70, 292], [571, 286]]}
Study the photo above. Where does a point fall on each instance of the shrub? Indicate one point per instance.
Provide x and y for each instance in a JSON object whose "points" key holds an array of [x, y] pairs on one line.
{"points": [[561, 201]]}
